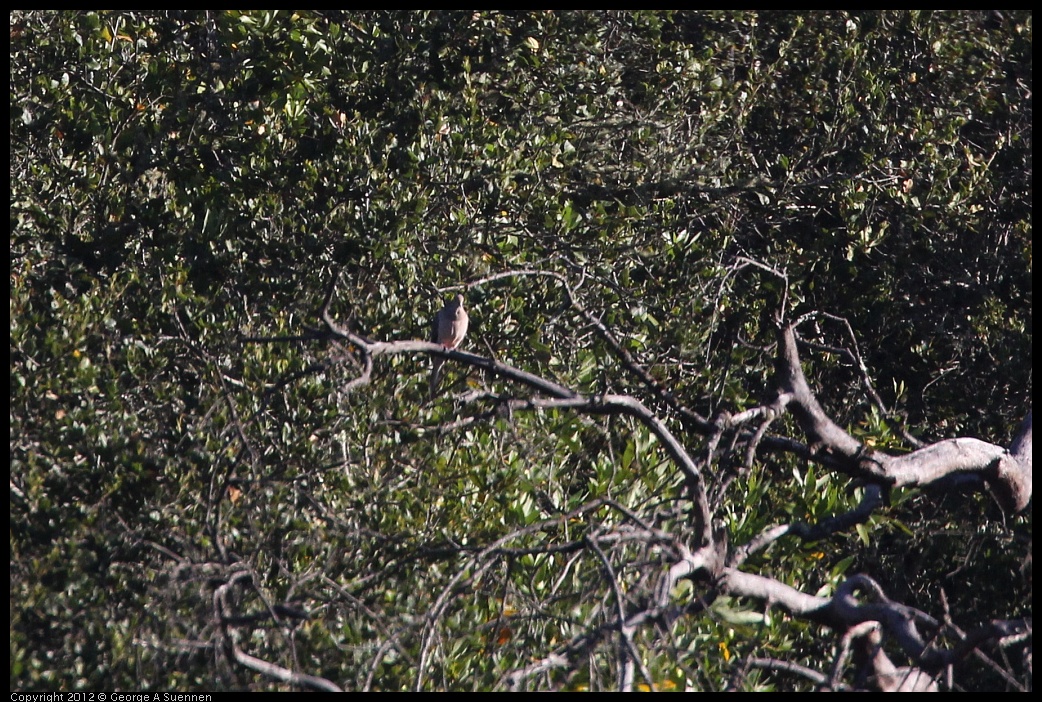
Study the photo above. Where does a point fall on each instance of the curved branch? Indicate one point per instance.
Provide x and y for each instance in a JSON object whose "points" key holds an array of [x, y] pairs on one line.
{"points": [[223, 614], [840, 611], [814, 676], [284, 674], [563, 397], [1009, 472], [872, 500], [844, 612], [880, 670], [818, 426]]}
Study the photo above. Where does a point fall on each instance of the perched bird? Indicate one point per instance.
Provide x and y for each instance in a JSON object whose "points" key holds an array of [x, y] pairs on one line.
{"points": [[448, 329]]}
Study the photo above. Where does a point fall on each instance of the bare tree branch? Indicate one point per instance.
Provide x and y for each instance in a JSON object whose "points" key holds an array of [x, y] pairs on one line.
{"points": [[1008, 471]]}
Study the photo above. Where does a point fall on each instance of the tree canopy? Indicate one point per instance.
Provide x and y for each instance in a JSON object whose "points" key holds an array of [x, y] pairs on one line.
{"points": [[744, 402]]}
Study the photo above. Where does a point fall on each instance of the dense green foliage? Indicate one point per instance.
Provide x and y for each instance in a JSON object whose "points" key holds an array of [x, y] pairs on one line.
{"points": [[184, 180]]}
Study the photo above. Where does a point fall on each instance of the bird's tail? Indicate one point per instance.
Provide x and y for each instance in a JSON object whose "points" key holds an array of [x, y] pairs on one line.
{"points": [[436, 374]]}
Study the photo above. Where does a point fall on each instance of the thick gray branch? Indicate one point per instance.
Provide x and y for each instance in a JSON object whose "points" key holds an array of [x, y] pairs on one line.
{"points": [[1009, 472]]}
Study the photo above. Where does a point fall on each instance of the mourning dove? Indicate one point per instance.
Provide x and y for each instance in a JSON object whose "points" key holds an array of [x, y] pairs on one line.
{"points": [[448, 329]]}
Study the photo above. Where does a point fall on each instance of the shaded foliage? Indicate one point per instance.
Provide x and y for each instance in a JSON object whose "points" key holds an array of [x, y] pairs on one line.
{"points": [[184, 180]]}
